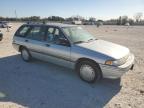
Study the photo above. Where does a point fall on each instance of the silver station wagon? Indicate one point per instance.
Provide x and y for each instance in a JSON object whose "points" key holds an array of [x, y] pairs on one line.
{"points": [[73, 47]]}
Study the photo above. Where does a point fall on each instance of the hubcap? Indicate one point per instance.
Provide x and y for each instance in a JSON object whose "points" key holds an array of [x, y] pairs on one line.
{"points": [[87, 72], [25, 54]]}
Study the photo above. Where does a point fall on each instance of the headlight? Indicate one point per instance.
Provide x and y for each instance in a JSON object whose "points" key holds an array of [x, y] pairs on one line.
{"points": [[111, 62], [114, 63], [118, 62]]}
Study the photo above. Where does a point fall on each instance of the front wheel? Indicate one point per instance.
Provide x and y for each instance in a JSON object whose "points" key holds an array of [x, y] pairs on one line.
{"points": [[88, 71], [25, 55]]}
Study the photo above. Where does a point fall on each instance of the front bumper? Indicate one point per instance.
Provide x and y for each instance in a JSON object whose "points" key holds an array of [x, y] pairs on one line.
{"points": [[117, 71]]}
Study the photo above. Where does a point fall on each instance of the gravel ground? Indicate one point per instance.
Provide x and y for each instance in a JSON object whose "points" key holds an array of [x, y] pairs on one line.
{"points": [[43, 85]]}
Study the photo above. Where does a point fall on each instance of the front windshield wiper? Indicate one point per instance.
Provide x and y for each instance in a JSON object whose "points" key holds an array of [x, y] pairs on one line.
{"points": [[91, 40], [79, 42]]}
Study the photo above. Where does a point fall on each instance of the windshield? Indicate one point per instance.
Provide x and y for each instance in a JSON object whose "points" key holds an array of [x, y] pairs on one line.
{"points": [[77, 34]]}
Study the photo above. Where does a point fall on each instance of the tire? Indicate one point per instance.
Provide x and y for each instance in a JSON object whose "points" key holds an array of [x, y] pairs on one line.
{"points": [[88, 71], [25, 54]]}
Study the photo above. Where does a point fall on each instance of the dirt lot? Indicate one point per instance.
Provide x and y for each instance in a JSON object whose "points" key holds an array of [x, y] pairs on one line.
{"points": [[44, 85]]}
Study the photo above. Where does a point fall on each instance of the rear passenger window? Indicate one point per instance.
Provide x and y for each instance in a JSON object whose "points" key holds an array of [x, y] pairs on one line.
{"points": [[22, 31], [36, 33]]}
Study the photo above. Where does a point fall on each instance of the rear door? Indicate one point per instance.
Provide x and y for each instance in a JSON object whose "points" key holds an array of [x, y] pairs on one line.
{"points": [[35, 38], [31, 36]]}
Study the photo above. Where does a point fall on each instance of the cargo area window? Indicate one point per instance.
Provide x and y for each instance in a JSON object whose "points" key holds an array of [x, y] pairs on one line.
{"points": [[22, 31]]}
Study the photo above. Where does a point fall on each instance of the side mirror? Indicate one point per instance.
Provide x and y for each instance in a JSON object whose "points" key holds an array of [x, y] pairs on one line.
{"points": [[64, 42]]}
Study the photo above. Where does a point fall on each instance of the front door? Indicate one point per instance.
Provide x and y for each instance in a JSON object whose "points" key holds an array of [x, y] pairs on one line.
{"points": [[56, 52]]}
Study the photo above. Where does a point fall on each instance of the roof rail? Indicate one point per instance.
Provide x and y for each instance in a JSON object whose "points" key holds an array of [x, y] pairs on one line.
{"points": [[30, 22]]}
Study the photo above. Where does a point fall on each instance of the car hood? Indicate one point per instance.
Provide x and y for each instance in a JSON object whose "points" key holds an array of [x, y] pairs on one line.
{"points": [[107, 48]]}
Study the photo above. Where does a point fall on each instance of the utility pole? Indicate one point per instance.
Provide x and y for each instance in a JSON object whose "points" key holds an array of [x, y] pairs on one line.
{"points": [[15, 14]]}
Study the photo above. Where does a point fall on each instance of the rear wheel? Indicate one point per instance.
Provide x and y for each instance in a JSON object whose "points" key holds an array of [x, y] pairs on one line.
{"points": [[88, 71], [25, 55]]}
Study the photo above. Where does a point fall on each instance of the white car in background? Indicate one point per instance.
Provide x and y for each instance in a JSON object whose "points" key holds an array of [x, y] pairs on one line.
{"points": [[77, 22]]}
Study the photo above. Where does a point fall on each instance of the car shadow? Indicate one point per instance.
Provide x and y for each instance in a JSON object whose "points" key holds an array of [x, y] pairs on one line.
{"points": [[43, 85]]}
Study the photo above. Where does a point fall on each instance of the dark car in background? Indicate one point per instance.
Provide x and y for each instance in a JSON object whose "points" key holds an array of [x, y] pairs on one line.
{"points": [[4, 24]]}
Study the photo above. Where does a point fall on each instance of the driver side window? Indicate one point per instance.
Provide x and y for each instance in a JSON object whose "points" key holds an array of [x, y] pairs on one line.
{"points": [[53, 35], [58, 35]]}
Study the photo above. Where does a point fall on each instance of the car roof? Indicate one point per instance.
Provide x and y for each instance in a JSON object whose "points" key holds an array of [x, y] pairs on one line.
{"points": [[61, 25]]}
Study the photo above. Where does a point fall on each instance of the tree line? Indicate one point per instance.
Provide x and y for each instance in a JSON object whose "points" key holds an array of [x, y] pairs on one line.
{"points": [[122, 20]]}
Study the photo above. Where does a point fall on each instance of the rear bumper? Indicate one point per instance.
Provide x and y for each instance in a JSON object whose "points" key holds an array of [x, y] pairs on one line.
{"points": [[117, 71]]}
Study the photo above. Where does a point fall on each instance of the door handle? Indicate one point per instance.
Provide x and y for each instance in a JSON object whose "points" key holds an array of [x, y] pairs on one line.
{"points": [[47, 45]]}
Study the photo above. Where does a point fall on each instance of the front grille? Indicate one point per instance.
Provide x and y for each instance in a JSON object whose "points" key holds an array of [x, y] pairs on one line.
{"points": [[124, 59]]}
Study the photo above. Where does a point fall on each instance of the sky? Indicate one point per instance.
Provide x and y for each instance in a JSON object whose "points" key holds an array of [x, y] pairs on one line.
{"points": [[101, 9]]}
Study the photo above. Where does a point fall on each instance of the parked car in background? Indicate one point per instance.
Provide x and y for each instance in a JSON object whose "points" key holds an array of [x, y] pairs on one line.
{"points": [[1, 36], [77, 22], [5, 24], [9, 25], [75, 48]]}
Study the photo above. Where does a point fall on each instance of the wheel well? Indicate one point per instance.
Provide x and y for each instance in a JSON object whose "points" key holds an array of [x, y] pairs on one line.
{"points": [[90, 60], [20, 48]]}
